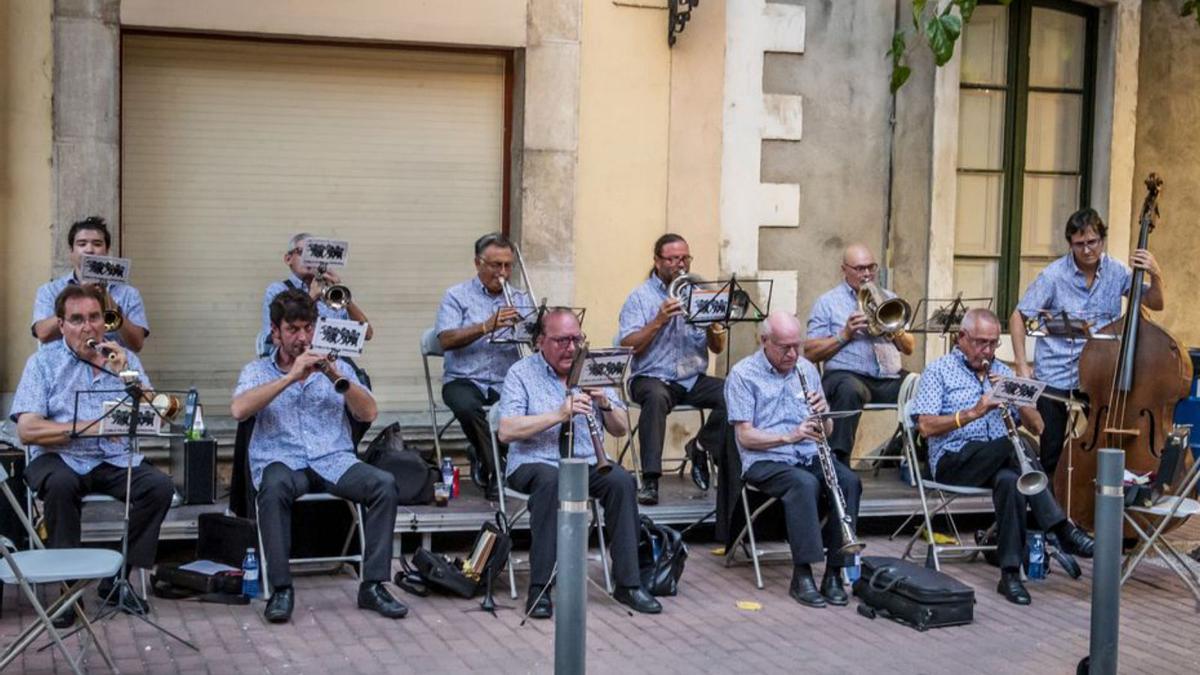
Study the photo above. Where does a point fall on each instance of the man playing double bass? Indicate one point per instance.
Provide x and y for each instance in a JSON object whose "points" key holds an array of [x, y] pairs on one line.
{"points": [[1086, 283]]}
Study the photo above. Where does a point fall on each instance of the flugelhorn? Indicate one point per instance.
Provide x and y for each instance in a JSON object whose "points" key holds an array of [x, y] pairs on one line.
{"points": [[108, 352], [337, 296], [885, 316], [850, 543]]}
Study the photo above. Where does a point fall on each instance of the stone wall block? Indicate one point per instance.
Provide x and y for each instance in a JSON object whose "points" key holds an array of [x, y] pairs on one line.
{"points": [[554, 20], [86, 73], [552, 97], [107, 11], [548, 206], [783, 118], [84, 186], [783, 28]]}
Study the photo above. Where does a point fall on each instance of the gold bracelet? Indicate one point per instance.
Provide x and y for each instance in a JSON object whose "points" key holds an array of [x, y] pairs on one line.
{"points": [[958, 421]]}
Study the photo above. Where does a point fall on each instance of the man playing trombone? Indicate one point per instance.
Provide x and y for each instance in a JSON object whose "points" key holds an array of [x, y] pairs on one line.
{"points": [[860, 367], [772, 396], [971, 444], [669, 359], [470, 313], [90, 236], [307, 279]]}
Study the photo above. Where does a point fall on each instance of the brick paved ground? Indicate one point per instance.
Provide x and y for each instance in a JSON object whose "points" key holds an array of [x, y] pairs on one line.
{"points": [[700, 631]]}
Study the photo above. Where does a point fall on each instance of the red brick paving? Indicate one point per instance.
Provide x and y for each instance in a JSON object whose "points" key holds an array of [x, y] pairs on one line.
{"points": [[701, 630]]}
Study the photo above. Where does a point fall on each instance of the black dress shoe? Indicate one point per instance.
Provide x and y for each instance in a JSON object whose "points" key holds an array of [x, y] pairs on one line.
{"points": [[831, 589], [492, 494], [479, 473], [648, 495], [279, 607], [804, 591], [538, 605], [637, 599], [373, 595], [67, 618], [1013, 590], [1076, 542], [699, 459]]}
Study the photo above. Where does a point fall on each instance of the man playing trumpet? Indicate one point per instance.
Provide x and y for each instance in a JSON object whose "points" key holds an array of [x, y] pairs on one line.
{"points": [[475, 365], [62, 469], [860, 368], [90, 236], [771, 410], [969, 445], [301, 443], [669, 359], [534, 408]]}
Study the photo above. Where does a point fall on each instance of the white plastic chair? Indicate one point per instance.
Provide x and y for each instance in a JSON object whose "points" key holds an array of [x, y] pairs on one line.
{"points": [[78, 567]]}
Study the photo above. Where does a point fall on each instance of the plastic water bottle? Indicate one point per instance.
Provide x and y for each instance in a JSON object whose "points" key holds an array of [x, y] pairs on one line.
{"points": [[853, 570], [1036, 568], [250, 585], [448, 474]]}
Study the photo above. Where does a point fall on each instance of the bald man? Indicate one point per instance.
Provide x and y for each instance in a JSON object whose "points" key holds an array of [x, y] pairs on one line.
{"points": [[771, 397], [859, 368]]}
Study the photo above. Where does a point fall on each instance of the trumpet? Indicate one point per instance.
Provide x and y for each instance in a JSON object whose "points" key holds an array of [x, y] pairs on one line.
{"points": [[885, 316], [850, 544], [337, 296], [340, 384], [108, 352]]}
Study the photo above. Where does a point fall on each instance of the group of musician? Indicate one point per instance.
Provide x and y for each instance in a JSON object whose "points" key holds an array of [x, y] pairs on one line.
{"points": [[771, 405]]}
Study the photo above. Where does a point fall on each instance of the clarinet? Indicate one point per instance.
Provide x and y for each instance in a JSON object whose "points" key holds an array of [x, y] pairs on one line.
{"points": [[603, 466], [850, 544]]}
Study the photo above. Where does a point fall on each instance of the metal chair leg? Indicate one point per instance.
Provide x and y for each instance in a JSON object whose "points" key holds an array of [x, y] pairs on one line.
{"points": [[758, 582], [596, 515]]}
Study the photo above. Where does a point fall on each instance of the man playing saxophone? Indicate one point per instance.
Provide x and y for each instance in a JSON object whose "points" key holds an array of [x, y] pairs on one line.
{"points": [[772, 412], [970, 444], [860, 367]]}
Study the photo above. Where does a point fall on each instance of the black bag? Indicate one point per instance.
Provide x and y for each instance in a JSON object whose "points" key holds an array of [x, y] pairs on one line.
{"points": [[437, 572], [442, 574], [224, 539], [912, 594], [168, 581], [661, 556], [414, 475]]}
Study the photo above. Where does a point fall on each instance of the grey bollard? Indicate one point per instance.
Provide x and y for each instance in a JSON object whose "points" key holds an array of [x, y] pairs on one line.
{"points": [[1106, 570], [570, 616]]}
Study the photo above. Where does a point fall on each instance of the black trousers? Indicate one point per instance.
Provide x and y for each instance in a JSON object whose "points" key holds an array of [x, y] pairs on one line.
{"points": [[617, 493], [1055, 417], [993, 464], [845, 390], [362, 484], [802, 490], [62, 490], [658, 399], [466, 402]]}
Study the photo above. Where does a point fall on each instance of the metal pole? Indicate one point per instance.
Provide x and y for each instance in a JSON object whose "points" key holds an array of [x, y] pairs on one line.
{"points": [[570, 619], [1106, 571]]}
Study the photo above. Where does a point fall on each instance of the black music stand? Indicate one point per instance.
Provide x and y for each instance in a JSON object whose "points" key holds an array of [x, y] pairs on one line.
{"points": [[120, 600], [943, 316]]}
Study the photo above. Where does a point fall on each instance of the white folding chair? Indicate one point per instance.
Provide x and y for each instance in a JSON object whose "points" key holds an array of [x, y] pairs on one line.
{"points": [[748, 531], [1150, 522], [356, 514], [78, 567], [631, 443], [907, 389], [430, 346], [506, 492]]}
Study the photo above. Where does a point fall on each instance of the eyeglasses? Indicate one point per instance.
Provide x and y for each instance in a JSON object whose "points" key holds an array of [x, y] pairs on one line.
{"points": [[1087, 245], [675, 259], [982, 343], [496, 266], [863, 269], [78, 320], [786, 349], [563, 340]]}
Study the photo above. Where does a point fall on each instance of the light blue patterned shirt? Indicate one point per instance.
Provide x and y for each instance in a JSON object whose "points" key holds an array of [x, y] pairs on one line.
{"points": [[127, 298], [679, 351], [861, 354], [305, 426], [772, 402], [1063, 286], [533, 388], [265, 346], [483, 362], [948, 385], [48, 386]]}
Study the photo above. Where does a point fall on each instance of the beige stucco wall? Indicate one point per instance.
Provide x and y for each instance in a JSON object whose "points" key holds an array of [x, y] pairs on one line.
{"points": [[497, 23], [1168, 143], [25, 148]]}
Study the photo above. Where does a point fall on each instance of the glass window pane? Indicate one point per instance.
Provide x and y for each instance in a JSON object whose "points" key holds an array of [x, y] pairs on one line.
{"points": [[985, 47], [1048, 202], [1052, 136], [977, 214], [980, 129], [1030, 268], [1057, 43], [975, 278]]}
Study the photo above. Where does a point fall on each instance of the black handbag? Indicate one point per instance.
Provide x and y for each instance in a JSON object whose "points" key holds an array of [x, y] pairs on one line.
{"points": [[912, 594], [414, 475], [431, 571], [661, 556]]}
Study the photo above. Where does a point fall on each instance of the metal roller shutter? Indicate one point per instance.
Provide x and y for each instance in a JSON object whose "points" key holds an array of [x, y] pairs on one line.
{"points": [[230, 146]]}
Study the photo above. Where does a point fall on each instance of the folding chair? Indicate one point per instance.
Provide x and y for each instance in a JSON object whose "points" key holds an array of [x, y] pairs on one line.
{"points": [[748, 531], [507, 492], [946, 495], [78, 567], [430, 346], [908, 388], [356, 513], [631, 442], [1142, 519]]}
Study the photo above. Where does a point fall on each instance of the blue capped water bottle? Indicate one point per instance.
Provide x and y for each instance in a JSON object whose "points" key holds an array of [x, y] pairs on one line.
{"points": [[1036, 568], [250, 585], [853, 570]]}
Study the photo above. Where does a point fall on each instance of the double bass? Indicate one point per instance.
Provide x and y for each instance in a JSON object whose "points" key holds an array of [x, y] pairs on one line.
{"points": [[1133, 385]]}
